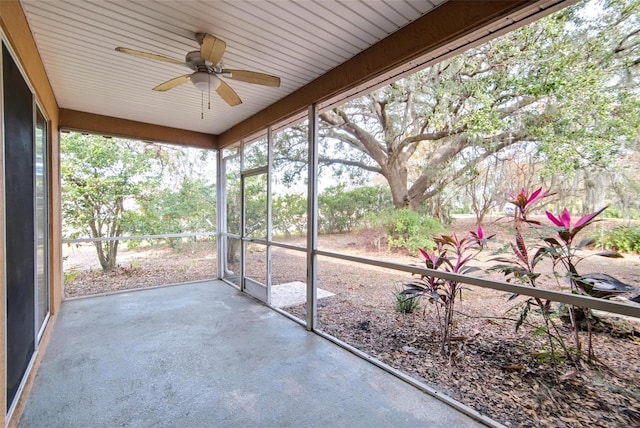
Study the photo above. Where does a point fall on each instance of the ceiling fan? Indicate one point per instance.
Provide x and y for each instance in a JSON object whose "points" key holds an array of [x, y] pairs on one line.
{"points": [[207, 69]]}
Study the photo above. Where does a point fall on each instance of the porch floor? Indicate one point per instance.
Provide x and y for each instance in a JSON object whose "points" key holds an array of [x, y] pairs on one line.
{"points": [[205, 355]]}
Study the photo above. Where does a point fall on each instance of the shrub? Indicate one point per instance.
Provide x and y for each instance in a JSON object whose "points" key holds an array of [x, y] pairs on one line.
{"points": [[559, 243], [622, 238], [407, 229], [289, 215], [70, 276], [405, 303], [626, 213], [343, 210], [450, 255]]}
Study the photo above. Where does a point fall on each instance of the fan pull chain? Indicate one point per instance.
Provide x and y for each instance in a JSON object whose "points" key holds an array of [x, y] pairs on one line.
{"points": [[209, 92], [201, 105]]}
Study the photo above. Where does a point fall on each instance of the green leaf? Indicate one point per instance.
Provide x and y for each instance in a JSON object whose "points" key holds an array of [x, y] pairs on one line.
{"points": [[539, 331]]}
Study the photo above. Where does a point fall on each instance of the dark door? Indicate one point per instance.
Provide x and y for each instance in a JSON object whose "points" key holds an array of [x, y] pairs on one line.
{"points": [[19, 223]]}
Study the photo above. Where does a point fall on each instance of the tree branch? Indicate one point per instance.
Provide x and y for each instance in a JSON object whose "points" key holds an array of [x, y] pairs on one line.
{"points": [[422, 189], [368, 141], [332, 161], [523, 101]]}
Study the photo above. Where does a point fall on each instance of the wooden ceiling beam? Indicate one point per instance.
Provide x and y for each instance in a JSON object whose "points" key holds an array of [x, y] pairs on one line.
{"points": [[73, 120]]}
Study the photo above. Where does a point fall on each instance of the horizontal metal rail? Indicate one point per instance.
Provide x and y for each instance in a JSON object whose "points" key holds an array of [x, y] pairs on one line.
{"points": [[582, 301], [138, 237], [265, 242], [288, 246]]}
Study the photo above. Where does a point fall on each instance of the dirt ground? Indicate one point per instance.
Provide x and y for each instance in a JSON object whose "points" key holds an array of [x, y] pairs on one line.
{"points": [[493, 369], [137, 268]]}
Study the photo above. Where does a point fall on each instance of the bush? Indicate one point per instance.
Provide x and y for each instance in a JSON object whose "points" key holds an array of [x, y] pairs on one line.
{"points": [[405, 303], [70, 276], [341, 210], [289, 215], [629, 213], [407, 229], [622, 238]]}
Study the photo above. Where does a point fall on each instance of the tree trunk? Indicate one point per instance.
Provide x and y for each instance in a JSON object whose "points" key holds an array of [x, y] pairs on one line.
{"points": [[396, 176], [107, 252], [595, 191], [480, 217]]}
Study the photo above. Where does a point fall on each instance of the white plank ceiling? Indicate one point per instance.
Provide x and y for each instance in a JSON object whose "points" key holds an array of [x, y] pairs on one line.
{"points": [[295, 40]]}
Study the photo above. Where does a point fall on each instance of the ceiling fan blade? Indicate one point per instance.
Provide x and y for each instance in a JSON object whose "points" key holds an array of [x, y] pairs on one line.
{"points": [[149, 55], [170, 84], [211, 48], [252, 77], [228, 94]]}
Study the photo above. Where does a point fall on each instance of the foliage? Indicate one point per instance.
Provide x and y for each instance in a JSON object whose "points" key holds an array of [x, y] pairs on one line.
{"points": [[341, 210], [191, 207], [291, 154], [521, 268], [622, 238], [563, 252], [289, 210], [407, 230], [444, 292], [559, 244], [405, 303], [289, 214], [232, 197], [255, 208], [99, 176], [629, 214], [70, 276]]}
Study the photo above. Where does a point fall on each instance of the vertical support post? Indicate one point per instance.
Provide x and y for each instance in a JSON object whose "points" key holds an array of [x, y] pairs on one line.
{"points": [[269, 207], [55, 217], [243, 240], [312, 220], [221, 214]]}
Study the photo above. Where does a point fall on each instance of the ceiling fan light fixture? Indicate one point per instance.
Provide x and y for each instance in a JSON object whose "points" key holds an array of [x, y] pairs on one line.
{"points": [[201, 80]]}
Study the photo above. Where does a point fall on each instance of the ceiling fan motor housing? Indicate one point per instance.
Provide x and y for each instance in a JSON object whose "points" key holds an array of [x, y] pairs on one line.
{"points": [[195, 62]]}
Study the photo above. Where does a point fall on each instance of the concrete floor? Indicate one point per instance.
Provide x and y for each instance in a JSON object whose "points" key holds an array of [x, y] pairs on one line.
{"points": [[204, 355]]}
